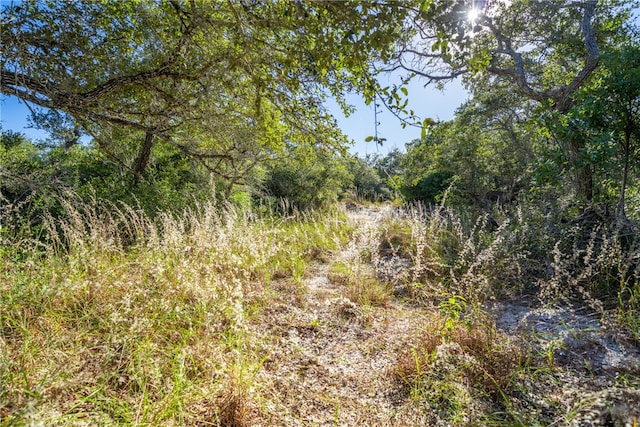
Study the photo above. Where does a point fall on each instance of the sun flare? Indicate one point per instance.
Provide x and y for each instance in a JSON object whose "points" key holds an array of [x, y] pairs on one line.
{"points": [[473, 14]]}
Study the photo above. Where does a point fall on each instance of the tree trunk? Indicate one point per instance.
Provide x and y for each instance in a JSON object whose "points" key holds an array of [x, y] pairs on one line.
{"points": [[582, 172], [584, 183], [143, 157]]}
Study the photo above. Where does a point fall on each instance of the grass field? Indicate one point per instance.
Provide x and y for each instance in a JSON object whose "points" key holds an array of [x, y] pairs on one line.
{"points": [[373, 316]]}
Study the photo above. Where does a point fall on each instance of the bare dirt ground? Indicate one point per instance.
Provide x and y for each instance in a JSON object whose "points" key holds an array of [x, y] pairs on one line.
{"points": [[330, 361], [592, 369]]}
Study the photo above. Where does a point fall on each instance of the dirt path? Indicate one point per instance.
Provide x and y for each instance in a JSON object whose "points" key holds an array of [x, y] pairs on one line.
{"points": [[331, 359]]}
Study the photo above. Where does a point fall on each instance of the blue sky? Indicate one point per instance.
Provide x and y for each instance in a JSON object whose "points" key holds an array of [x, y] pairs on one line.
{"points": [[426, 102], [13, 116]]}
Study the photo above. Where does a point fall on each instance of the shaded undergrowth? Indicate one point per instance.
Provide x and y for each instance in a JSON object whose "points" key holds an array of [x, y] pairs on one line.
{"points": [[460, 367]]}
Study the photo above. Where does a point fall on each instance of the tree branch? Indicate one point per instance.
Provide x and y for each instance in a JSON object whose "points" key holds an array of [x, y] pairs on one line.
{"points": [[561, 95]]}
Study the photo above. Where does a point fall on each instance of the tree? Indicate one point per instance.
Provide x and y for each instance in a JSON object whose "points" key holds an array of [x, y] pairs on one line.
{"points": [[623, 87], [308, 177], [35, 176], [367, 181], [610, 109], [487, 147], [546, 51], [17, 156], [225, 82]]}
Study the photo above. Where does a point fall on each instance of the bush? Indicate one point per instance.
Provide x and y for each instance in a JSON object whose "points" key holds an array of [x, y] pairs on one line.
{"points": [[429, 188], [307, 179], [367, 182], [35, 177]]}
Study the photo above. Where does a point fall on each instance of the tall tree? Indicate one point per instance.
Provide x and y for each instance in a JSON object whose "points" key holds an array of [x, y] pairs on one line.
{"points": [[545, 50], [222, 81], [610, 110]]}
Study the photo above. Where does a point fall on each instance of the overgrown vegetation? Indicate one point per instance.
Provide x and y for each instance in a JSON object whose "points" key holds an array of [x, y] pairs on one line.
{"points": [[194, 226], [117, 318], [463, 370], [460, 366]]}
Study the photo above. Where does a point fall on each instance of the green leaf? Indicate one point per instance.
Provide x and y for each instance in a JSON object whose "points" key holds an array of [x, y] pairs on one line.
{"points": [[424, 5], [368, 139], [428, 122]]}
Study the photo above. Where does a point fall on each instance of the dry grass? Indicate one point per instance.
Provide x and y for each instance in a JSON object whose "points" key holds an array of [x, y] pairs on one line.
{"points": [[457, 368], [459, 365], [115, 319], [112, 318], [598, 271], [361, 284]]}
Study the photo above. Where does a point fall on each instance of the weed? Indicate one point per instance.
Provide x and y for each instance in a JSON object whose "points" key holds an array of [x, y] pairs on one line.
{"points": [[115, 318], [455, 364], [362, 286]]}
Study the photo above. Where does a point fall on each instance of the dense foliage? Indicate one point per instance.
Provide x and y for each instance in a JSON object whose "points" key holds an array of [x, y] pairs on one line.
{"points": [[228, 84], [236, 89], [156, 250]]}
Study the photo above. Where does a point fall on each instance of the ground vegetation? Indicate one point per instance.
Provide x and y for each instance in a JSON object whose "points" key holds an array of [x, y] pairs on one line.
{"points": [[194, 245]]}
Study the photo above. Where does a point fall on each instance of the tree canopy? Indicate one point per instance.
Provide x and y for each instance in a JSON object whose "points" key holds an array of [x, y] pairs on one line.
{"points": [[546, 51], [227, 83], [233, 87]]}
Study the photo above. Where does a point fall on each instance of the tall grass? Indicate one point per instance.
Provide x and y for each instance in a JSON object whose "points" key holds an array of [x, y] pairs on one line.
{"points": [[600, 271], [521, 254], [117, 319], [459, 366], [449, 255], [109, 317]]}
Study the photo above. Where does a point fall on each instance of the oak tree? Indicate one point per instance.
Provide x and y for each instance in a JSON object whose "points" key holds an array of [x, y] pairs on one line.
{"points": [[546, 51], [228, 83]]}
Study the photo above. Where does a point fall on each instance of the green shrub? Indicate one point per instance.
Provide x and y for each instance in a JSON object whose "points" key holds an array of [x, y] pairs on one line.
{"points": [[429, 188], [306, 179]]}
